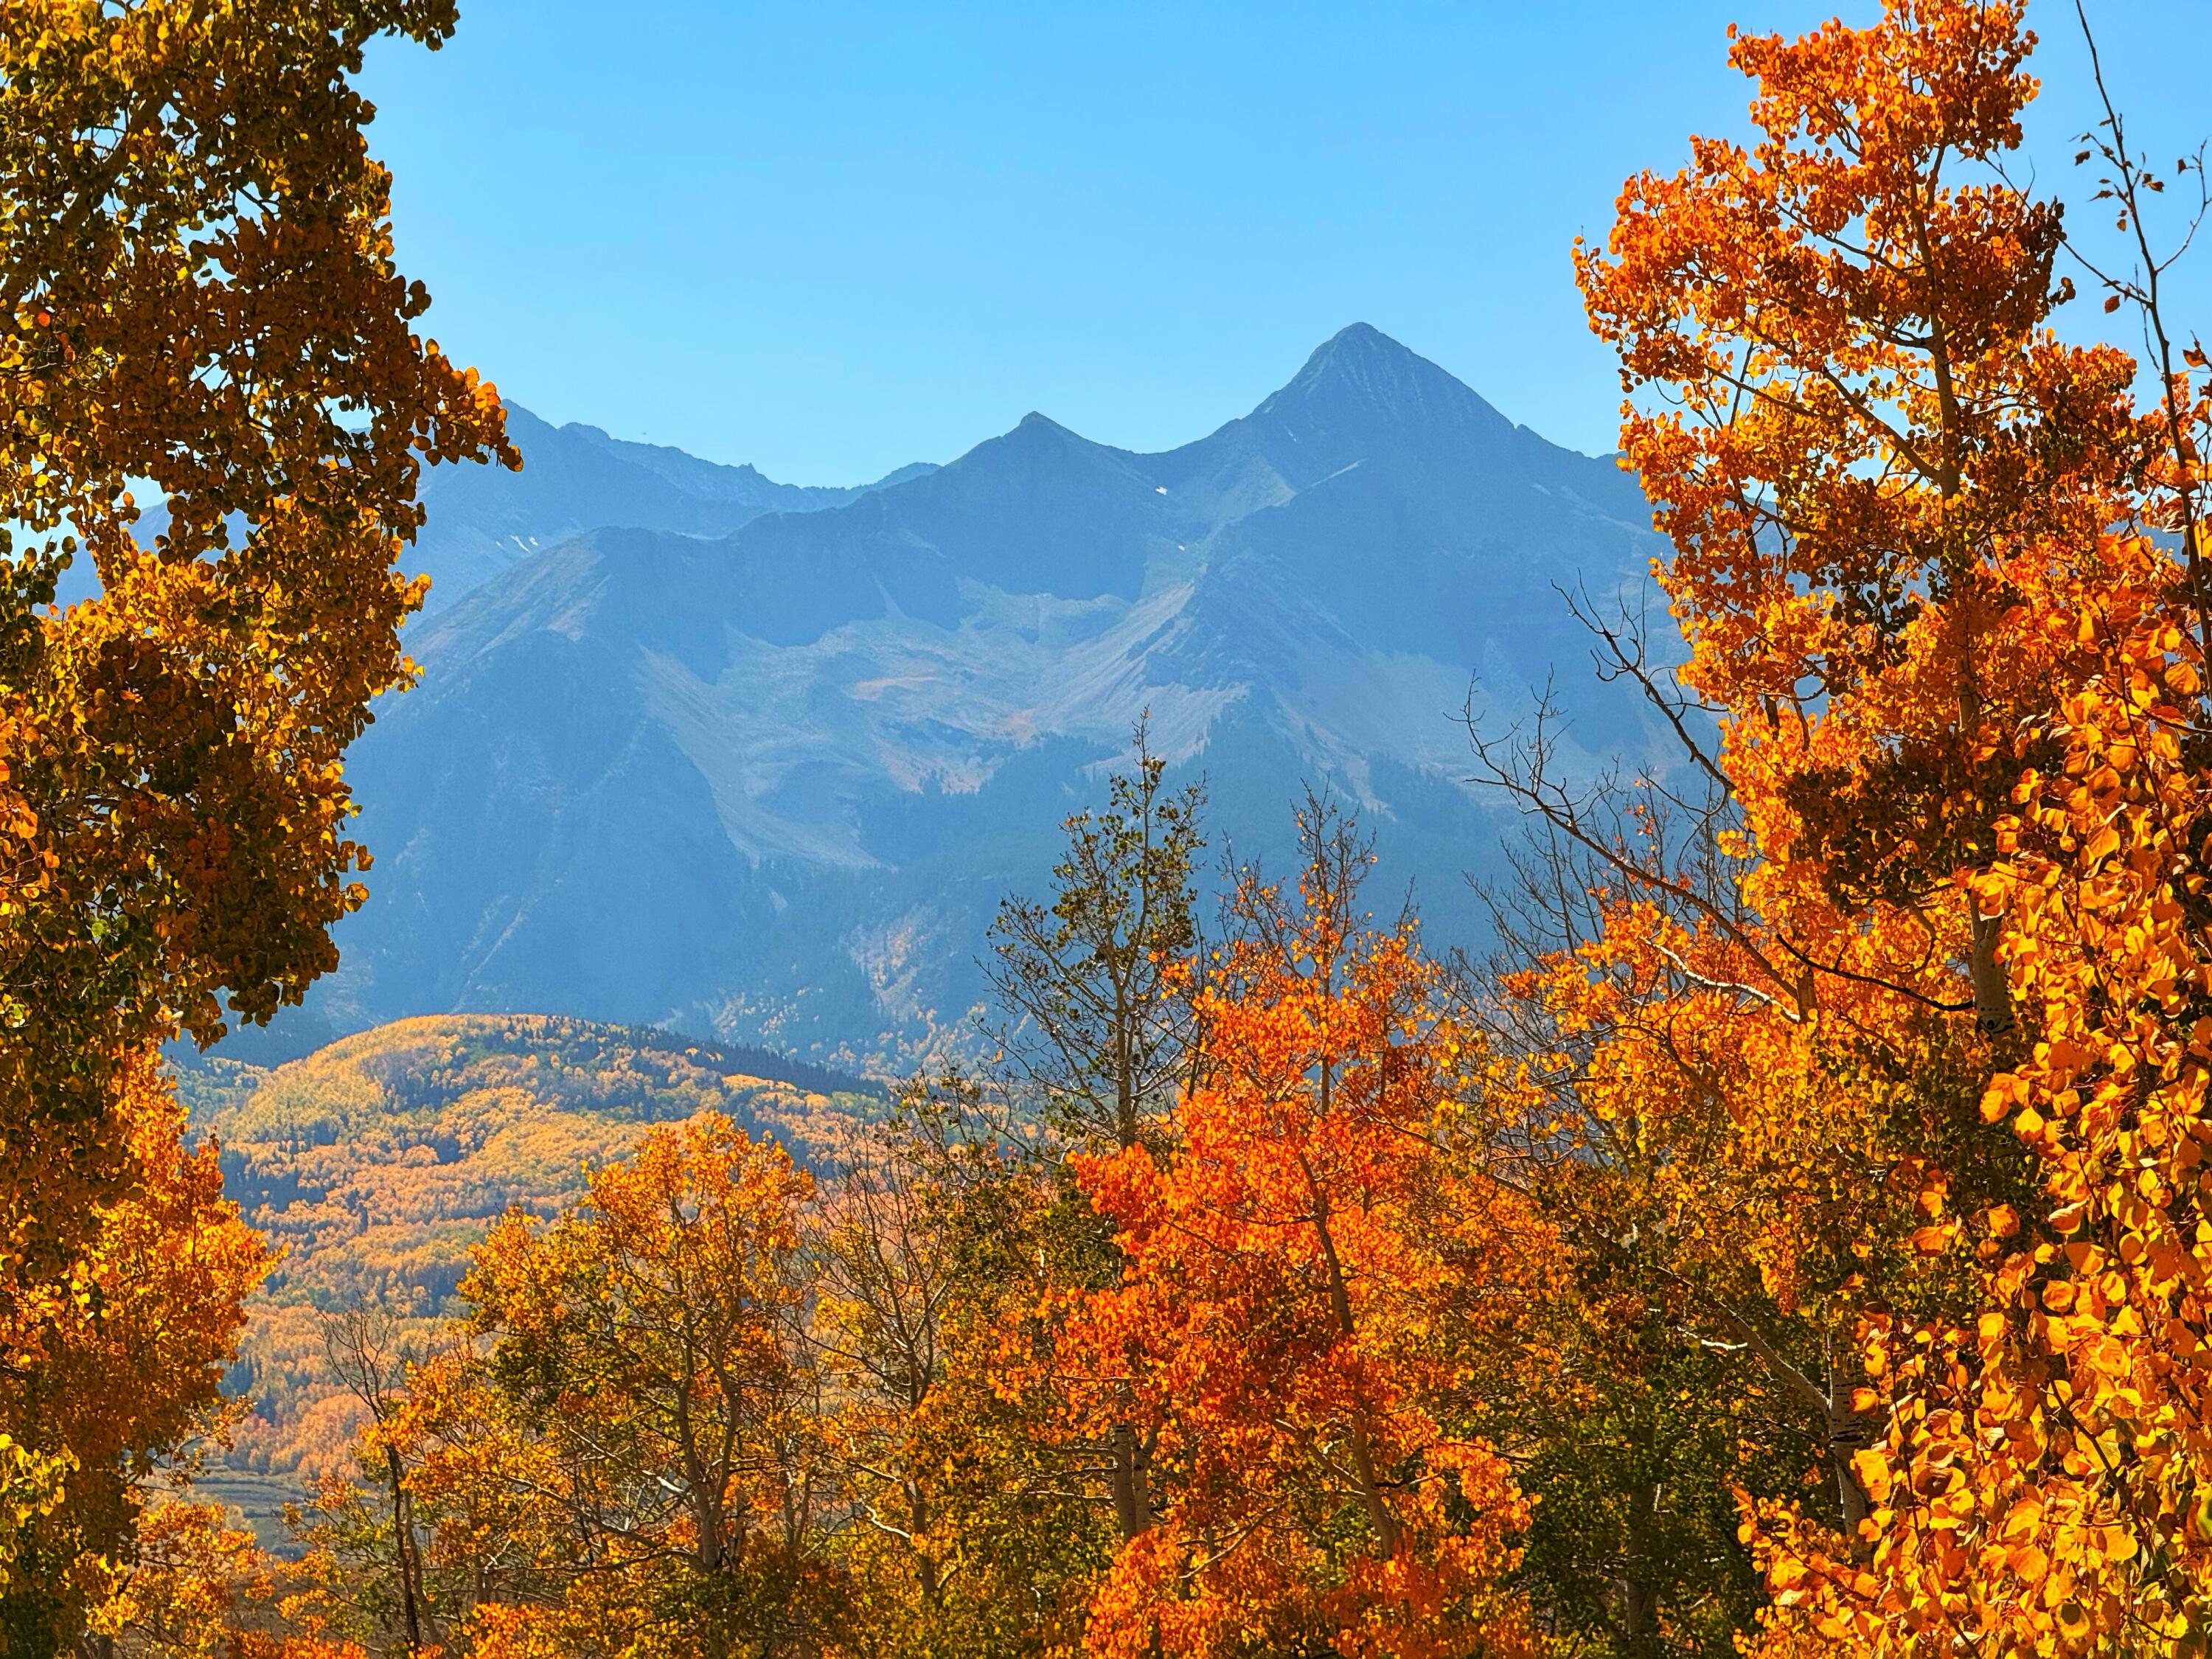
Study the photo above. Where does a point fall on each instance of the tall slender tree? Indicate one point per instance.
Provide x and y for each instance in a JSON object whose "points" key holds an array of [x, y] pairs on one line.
{"points": [[1097, 986], [367, 1354], [1285, 1284], [1094, 981]]}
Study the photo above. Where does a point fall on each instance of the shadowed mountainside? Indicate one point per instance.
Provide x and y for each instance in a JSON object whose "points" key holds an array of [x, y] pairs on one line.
{"points": [[574, 479], [480, 519]]}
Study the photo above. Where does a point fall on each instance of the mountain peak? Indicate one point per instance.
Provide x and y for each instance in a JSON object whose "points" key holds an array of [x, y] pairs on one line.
{"points": [[1038, 427], [1036, 436], [1362, 336], [1362, 395], [1361, 369]]}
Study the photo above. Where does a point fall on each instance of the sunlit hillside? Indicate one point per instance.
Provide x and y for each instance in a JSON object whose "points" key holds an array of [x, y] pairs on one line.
{"points": [[375, 1164]]}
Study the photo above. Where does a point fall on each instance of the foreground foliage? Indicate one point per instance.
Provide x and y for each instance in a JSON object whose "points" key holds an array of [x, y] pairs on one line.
{"points": [[721, 1405], [196, 293], [1797, 1243], [1943, 581]]}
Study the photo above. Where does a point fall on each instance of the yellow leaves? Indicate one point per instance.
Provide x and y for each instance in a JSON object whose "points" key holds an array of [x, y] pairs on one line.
{"points": [[650, 1334], [171, 749], [192, 1585], [1871, 1469], [2004, 1092], [31, 1486], [2199, 1521]]}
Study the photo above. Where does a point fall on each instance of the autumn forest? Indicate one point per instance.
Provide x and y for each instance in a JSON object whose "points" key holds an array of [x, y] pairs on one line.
{"points": [[1786, 1232]]}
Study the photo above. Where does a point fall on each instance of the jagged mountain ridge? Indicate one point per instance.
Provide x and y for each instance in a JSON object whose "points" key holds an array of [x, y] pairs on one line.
{"points": [[770, 784], [480, 519], [575, 479]]}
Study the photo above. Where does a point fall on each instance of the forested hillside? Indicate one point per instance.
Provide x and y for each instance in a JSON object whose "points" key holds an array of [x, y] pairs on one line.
{"points": [[376, 1165]]}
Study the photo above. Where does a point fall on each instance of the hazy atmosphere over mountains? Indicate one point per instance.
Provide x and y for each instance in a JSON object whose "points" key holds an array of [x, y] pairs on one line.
{"points": [[697, 748], [483, 519]]}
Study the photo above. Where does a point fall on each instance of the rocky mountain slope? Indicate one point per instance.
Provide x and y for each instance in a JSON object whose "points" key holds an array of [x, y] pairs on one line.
{"points": [[770, 784]]}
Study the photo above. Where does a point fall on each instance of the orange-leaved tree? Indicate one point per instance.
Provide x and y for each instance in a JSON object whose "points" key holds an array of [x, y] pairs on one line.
{"points": [[634, 1462], [129, 1356], [1873, 453], [1276, 1324], [1945, 584]]}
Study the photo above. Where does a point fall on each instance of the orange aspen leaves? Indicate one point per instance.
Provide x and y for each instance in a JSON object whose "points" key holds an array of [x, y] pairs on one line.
{"points": [[1958, 683], [1274, 1320]]}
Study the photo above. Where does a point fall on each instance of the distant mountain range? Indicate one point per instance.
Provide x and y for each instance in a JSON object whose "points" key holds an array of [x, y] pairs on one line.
{"points": [[576, 478], [698, 748]]}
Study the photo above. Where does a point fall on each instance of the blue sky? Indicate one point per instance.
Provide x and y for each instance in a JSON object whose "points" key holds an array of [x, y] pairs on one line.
{"points": [[830, 238]]}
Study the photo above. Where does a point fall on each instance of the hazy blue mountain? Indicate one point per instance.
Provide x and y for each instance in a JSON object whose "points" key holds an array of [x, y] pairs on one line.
{"points": [[480, 519], [770, 784], [574, 477]]}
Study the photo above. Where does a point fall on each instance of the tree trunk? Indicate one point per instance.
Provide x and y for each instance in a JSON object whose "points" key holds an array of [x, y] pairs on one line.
{"points": [[1640, 1617], [1133, 1497], [1846, 1426], [1846, 1435], [1363, 1450], [1992, 985], [403, 1537], [1639, 1597], [918, 1525]]}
